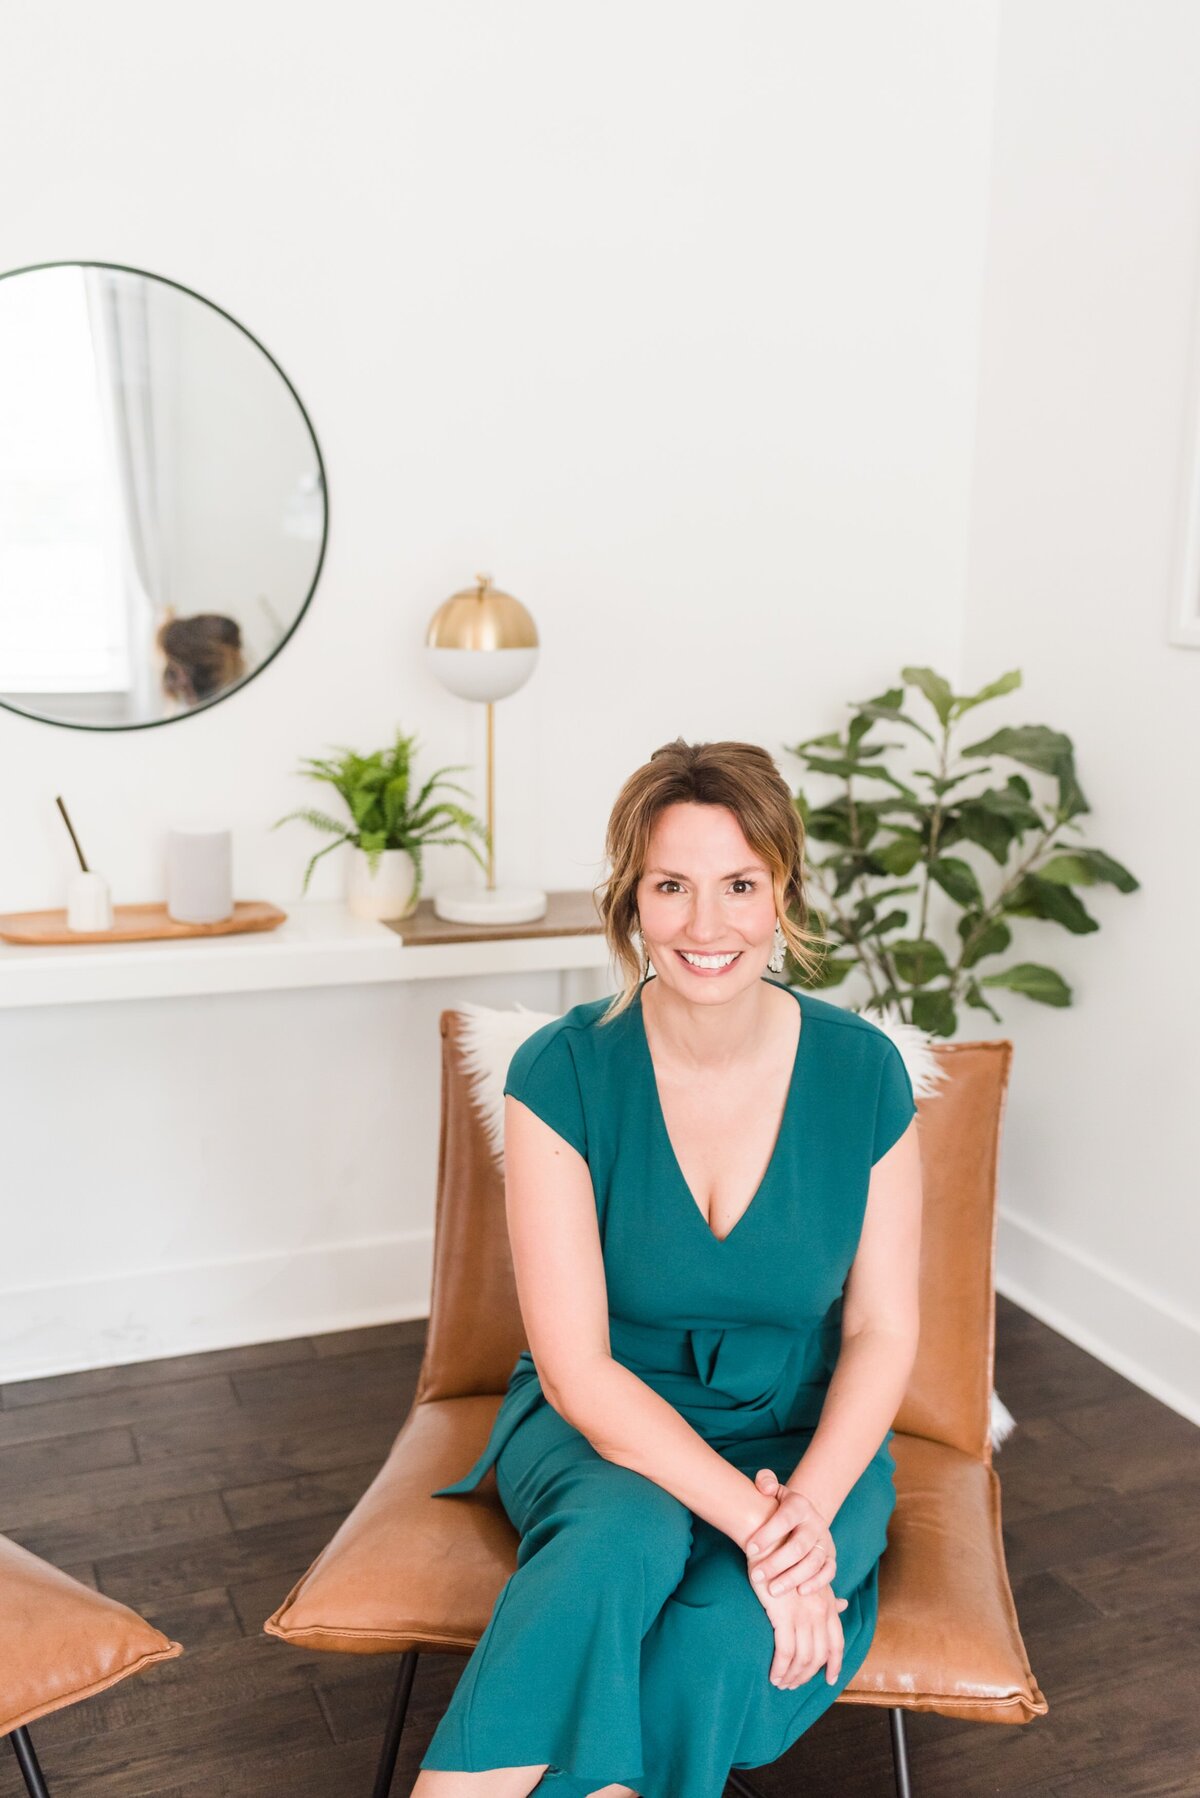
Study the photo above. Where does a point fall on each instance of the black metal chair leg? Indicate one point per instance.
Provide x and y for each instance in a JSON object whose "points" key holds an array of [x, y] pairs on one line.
{"points": [[27, 1760], [395, 1724], [900, 1754]]}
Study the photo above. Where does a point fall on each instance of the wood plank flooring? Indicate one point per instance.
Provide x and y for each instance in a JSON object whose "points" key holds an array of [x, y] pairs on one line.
{"points": [[198, 1489]]}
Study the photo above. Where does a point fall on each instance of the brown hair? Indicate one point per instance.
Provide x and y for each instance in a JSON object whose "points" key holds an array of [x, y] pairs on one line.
{"points": [[204, 654], [740, 776]]}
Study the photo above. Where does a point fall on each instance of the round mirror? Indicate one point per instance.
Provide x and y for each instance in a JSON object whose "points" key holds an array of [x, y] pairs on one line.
{"points": [[162, 499]]}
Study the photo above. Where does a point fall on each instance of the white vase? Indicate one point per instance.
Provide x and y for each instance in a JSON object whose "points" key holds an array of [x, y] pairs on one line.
{"points": [[385, 893]]}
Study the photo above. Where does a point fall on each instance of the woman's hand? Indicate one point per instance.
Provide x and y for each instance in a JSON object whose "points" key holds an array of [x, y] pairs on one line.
{"points": [[794, 1549], [808, 1636]]}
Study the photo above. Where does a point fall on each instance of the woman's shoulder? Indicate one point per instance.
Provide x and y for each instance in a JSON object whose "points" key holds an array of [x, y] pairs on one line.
{"points": [[845, 1029], [559, 1038]]}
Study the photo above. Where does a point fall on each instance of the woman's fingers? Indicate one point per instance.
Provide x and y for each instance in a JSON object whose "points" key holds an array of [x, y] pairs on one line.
{"points": [[803, 1654], [785, 1646], [824, 1575], [783, 1557], [788, 1577]]}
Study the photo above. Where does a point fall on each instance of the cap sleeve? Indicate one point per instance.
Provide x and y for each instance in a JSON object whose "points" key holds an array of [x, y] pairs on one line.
{"points": [[895, 1106], [542, 1075]]}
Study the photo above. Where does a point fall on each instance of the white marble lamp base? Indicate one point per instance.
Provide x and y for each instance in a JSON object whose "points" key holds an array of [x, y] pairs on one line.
{"points": [[497, 905]]}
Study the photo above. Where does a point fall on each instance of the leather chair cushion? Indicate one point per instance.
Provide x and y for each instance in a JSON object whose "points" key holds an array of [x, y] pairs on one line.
{"points": [[406, 1570], [60, 1641]]}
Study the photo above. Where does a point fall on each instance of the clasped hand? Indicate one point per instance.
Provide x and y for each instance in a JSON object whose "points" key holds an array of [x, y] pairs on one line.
{"points": [[791, 1561]]}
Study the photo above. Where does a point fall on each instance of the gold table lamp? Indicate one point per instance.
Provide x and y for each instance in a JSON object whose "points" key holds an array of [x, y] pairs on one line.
{"points": [[483, 645]]}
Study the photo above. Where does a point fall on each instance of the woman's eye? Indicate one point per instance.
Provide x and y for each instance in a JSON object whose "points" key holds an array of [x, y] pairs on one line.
{"points": [[751, 884]]}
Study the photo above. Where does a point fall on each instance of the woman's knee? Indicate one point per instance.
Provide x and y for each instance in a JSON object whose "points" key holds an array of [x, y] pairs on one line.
{"points": [[618, 1518]]}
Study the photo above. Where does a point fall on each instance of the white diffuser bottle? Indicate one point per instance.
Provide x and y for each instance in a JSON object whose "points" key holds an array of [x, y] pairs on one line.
{"points": [[89, 900]]}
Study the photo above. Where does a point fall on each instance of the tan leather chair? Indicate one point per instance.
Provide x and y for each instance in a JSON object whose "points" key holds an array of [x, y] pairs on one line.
{"points": [[60, 1642], [407, 1572]]}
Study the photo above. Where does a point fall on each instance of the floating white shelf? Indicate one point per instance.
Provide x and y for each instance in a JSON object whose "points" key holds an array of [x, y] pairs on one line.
{"points": [[319, 944]]}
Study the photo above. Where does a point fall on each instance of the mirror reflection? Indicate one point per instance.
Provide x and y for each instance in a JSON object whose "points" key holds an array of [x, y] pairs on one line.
{"points": [[162, 499]]}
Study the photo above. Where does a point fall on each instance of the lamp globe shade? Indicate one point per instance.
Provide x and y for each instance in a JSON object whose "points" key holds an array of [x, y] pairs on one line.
{"points": [[482, 644]]}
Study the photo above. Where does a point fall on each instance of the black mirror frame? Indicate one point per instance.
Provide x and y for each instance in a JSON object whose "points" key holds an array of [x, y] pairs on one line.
{"points": [[227, 692]]}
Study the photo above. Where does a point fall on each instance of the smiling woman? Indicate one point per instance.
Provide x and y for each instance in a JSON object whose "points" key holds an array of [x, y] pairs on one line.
{"points": [[690, 1168]]}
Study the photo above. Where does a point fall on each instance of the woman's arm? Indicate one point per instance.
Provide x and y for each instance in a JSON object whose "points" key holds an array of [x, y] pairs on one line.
{"points": [[880, 1321], [559, 1267]]}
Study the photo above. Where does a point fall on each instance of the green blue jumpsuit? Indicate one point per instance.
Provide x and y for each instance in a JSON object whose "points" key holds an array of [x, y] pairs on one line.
{"points": [[628, 1645]]}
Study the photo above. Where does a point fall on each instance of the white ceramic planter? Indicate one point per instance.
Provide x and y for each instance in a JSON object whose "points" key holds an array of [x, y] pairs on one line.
{"points": [[386, 893]]}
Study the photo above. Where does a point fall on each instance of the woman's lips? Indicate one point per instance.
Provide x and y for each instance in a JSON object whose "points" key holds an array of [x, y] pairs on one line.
{"points": [[708, 973]]}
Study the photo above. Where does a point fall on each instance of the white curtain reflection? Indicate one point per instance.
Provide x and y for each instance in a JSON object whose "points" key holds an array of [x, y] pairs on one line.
{"points": [[133, 377]]}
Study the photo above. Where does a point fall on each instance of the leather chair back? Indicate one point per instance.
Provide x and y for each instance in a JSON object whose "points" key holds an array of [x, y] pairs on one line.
{"points": [[475, 1329]]}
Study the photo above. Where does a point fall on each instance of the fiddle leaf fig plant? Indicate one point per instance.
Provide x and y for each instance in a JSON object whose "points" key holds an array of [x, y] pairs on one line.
{"points": [[384, 814], [884, 828]]}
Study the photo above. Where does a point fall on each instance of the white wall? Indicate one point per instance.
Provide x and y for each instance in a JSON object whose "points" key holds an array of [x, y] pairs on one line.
{"points": [[1088, 410], [667, 317]]}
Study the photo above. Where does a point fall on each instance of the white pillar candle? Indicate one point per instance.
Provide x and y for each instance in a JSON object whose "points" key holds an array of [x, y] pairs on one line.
{"points": [[199, 875]]}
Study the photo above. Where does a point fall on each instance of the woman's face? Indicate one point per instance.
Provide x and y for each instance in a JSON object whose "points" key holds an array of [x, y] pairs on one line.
{"points": [[705, 891]]}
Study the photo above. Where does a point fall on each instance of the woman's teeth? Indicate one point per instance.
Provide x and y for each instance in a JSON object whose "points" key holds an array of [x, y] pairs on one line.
{"points": [[708, 961]]}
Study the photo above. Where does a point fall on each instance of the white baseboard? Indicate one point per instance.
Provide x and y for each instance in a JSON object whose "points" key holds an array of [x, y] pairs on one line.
{"points": [[1134, 1331], [147, 1314], [117, 1318]]}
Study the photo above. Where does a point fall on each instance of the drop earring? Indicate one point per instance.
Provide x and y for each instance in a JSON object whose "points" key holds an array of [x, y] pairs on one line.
{"points": [[779, 950], [643, 953]]}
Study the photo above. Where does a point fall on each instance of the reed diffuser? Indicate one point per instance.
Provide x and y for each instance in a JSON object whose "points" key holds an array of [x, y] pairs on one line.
{"points": [[89, 901]]}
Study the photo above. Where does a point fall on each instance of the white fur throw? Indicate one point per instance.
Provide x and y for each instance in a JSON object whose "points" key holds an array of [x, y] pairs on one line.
{"points": [[491, 1038]]}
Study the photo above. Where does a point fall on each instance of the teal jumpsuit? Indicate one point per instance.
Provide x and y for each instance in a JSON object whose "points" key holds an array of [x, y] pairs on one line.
{"points": [[629, 1646]]}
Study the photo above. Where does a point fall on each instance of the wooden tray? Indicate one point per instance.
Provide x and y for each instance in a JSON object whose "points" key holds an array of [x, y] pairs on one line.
{"points": [[134, 924]]}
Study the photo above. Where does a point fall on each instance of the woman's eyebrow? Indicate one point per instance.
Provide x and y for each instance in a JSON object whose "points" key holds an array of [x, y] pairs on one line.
{"points": [[737, 873]]}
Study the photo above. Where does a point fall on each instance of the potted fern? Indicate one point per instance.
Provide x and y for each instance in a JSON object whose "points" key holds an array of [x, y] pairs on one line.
{"points": [[388, 826], [890, 844]]}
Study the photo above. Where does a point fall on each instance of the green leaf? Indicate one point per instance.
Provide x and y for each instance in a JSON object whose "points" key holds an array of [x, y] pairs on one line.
{"points": [[833, 971], [1037, 746], [1067, 869], [943, 786], [1103, 867], [993, 939], [917, 960], [1036, 982], [846, 767], [318, 820], [892, 920], [1033, 897], [974, 997], [1007, 683], [886, 709], [980, 825], [934, 1012], [957, 878], [936, 690], [902, 854]]}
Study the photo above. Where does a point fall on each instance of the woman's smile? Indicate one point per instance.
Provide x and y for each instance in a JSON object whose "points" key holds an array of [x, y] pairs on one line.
{"points": [[709, 964]]}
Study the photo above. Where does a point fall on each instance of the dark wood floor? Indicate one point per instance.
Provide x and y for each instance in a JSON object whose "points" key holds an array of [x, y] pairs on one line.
{"points": [[198, 1489]]}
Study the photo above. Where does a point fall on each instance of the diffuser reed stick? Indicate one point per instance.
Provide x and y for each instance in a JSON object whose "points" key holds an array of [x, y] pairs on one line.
{"points": [[66, 820]]}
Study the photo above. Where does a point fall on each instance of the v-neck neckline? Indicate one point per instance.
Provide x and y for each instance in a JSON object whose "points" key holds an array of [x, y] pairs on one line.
{"points": [[661, 1121]]}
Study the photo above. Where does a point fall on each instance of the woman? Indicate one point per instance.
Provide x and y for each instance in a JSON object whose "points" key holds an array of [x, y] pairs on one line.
{"points": [[713, 1199]]}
